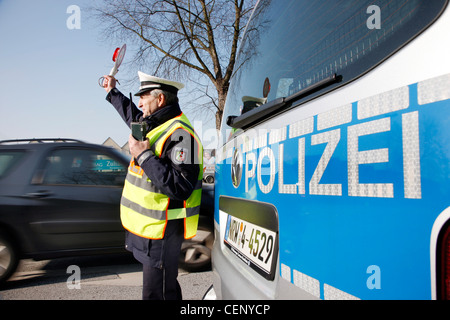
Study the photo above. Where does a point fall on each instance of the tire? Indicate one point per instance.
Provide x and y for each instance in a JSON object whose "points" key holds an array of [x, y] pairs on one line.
{"points": [[208, 179], [9, 257], [196, 252]]}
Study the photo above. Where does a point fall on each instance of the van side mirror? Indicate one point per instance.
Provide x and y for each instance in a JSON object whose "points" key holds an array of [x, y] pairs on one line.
{"points": [[230, 120]]}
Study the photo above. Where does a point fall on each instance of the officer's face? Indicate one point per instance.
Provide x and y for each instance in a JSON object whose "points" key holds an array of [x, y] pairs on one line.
{"points": [[149, 103]]}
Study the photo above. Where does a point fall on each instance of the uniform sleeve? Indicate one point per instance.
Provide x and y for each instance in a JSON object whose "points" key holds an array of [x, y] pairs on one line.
{"points": [[123, 106], [176, 172]]}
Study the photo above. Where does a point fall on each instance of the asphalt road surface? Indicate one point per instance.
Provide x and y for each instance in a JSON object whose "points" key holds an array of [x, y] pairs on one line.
{"points": [[109, 277]]}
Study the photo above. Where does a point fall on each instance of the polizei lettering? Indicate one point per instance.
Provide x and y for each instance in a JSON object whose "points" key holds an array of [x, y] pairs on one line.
{"points": [[333, 154]]}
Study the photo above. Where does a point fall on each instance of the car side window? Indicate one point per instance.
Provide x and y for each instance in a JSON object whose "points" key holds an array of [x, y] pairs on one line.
{"points": [[8, 160], [82, 167]]}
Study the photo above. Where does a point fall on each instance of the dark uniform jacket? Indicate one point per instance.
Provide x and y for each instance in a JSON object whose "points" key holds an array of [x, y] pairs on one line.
{"points": [[174, 179]]}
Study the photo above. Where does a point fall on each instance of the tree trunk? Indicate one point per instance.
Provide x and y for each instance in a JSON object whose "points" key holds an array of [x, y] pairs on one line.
{"points": [[222, 95]]}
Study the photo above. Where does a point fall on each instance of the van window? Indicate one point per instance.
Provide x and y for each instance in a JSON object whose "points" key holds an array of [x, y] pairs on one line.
{"points": [[290, 46]]}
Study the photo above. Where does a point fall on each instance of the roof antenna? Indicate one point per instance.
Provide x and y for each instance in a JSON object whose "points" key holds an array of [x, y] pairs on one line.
{"points": [[139, 128], [133, 111]]}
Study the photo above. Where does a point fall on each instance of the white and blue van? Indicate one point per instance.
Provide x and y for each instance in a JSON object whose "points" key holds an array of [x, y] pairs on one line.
{"points": [[332, 176]]}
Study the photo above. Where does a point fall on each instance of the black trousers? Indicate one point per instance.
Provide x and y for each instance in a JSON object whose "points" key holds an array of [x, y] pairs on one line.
{"points": [[160, 279]]}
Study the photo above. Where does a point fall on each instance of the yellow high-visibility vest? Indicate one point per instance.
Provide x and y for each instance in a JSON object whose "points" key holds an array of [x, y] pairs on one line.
{"points": [[144, 210]]}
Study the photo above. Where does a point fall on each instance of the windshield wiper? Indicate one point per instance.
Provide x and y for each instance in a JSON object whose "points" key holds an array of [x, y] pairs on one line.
{"points": [[277, 105]]}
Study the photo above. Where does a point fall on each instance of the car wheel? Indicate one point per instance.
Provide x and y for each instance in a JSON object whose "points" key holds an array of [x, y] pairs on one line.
{"points": [[209, 179], [196, 252], [8, 257]]}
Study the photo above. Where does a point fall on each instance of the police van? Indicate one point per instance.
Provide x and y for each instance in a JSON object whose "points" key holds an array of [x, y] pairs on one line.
{"points": [[332, 176]]}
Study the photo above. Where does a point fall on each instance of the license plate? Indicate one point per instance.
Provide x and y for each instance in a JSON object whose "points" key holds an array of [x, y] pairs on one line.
{"points": [[253, 244]]}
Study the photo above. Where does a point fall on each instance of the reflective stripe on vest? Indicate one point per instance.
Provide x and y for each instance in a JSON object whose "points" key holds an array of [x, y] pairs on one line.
{"points": [[144, 208]]}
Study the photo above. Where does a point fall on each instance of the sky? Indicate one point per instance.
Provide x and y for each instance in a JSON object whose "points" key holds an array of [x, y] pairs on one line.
{"points": [[50, 63]]}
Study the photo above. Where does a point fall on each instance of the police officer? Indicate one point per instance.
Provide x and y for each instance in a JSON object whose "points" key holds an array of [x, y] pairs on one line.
{"points": [[161, 198]]}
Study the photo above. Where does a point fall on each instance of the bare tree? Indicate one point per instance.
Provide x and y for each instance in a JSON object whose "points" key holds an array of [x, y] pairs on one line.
{"points": [[179, 37]]}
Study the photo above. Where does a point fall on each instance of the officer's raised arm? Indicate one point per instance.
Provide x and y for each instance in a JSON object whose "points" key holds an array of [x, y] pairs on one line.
{"points": [[122, 104], [109, 83]]}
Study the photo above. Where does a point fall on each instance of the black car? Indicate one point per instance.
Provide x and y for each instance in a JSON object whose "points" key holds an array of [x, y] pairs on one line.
{"points": [[61, 197]]}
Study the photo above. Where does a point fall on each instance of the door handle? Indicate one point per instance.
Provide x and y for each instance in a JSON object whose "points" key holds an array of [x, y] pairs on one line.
{"points": [[39, 194]]}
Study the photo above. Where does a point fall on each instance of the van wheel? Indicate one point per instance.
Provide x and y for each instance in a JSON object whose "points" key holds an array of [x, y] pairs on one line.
{"points": [[8, 258], [196, 252]]}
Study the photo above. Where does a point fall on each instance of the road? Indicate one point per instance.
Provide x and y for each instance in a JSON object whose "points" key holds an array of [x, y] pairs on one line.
{"points": [[109, 277]]}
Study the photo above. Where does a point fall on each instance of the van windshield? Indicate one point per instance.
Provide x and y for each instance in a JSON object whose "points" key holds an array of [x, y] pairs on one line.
{"points": [[290, 46]]}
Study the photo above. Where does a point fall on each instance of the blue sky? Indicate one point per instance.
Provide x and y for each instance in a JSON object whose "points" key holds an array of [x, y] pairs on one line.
{"points": [[49, 74]]}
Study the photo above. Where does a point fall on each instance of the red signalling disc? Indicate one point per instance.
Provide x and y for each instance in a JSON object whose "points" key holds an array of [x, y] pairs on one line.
{"points": [[116, 53]]}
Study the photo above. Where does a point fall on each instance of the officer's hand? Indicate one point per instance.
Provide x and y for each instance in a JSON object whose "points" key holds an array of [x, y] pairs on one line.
{"points": [[109, 83], [137, 147]]}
